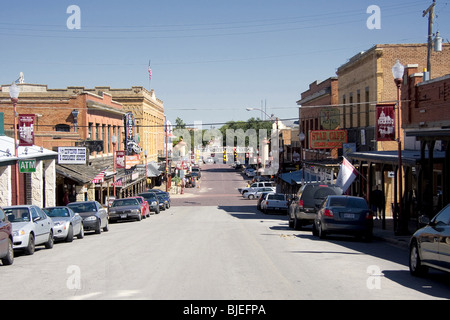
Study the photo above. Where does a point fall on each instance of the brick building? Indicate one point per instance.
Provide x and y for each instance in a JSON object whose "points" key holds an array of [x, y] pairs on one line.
{"points": [[426, 121], [316, 113], [366, 79], [75, 117]]}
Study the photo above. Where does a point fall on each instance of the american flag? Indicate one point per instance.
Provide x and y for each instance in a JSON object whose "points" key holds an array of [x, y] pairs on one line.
{"points": [[149, 71]]}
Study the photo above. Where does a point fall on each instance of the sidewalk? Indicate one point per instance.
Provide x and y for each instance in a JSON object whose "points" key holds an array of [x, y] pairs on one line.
{"points": [[388, 233]]}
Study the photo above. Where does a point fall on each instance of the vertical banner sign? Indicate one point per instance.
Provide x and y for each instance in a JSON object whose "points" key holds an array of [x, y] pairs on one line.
{"points": [[129, 129], [26, 130], [120, 159], [386, 122]]}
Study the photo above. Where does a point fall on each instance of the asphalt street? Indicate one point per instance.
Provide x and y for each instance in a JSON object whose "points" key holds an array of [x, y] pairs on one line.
{"points": [[214, 245]]}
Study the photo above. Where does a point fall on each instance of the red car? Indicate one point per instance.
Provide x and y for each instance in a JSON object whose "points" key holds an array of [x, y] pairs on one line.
{"points": [[144, 206], [6, 240]]}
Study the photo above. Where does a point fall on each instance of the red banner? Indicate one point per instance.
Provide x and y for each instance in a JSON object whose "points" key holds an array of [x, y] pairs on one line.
{"points": [[26, 130], [386, 122], [120, 159]]}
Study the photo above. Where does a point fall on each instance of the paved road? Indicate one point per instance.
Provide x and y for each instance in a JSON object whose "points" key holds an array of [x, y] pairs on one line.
{"points": [[216, 247]]}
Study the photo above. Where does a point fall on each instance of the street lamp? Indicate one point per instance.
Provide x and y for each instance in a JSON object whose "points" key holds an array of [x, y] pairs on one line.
{"points": [[114, 142], [398, 71], [14, 94]]}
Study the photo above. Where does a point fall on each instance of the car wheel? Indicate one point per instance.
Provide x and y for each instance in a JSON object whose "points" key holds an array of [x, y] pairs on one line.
{"points": [[49, 243], [9, 259], [106, 228], [69, 237], [157, 211], [251, 197], [415, 263], [321, 233], [297, 224], [29, 250], [81, 234], [98, 228]]}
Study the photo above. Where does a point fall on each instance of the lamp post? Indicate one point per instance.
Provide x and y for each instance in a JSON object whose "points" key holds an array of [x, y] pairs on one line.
{"points": [[398, 71], [114, 142], [14, 94]]}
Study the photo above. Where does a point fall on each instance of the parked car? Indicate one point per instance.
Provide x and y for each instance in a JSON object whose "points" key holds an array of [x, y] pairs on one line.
{"points": [[260, 199], [144, 206], [430, 245], [163, 203], [274, 202], [31, 227], [196, 172], [255, 185], [125, 209], [66, 222], [303, 208], [95, 217], [257, 192], [152, 200], [344, 215], [6, 240]]}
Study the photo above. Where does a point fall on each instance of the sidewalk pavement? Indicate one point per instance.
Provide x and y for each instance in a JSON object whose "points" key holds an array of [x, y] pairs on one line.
{"points": [[388, 234]]}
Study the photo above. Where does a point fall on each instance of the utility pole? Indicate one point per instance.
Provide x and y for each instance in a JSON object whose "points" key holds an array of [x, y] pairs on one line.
{"points": [[430, 12]]}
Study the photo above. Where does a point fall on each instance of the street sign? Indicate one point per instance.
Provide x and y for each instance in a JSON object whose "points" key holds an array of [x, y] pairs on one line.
{"points": [[27, 166]]}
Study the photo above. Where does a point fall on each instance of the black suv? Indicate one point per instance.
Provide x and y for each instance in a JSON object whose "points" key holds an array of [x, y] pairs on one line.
{"points": [[304, 206]]}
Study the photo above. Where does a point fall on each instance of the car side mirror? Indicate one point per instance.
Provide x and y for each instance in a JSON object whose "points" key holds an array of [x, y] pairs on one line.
{"points": [[35, 219]]}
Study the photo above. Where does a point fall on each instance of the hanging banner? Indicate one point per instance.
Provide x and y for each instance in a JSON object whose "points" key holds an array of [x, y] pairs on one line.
{"points": [[386, 122], [120, 159], [26, 130]]}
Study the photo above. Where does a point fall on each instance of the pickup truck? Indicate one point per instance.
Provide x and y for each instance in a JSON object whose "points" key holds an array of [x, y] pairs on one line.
{"points": [[275, 202], [254, 186]]}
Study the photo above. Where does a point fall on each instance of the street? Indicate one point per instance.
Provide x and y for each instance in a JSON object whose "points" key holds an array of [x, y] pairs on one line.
{"points": [[214, 245]]}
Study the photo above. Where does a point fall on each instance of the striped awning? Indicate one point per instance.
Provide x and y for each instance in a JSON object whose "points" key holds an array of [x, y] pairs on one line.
{"points": [[100, 178]]}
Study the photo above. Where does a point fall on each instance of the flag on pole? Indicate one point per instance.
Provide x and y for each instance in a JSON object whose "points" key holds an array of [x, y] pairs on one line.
{"points": [[347, 174], [149, 70]]}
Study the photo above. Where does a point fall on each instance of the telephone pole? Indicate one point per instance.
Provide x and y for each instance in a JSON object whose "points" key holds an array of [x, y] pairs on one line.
{"points": [[430, 12]]}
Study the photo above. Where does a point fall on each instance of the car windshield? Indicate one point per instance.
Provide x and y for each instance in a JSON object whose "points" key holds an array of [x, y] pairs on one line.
{"points": [[57, 212], [139, 200], [17, 214], [82, 207], [149, 196], [125, 202]]}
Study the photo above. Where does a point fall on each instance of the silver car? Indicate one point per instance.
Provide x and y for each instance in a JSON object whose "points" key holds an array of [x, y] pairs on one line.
{"points": [[95, 217], [31, 227], [66, 222]]}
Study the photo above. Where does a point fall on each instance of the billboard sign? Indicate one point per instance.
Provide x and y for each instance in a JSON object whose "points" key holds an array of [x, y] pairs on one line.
{"points": [[72, 155]]}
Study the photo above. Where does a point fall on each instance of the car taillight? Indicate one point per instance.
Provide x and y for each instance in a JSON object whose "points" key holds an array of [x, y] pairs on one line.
{"points": [[369, 215], [300, 203], [328, 213]]}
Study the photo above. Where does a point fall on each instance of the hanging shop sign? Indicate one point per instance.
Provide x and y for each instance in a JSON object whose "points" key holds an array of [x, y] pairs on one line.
{"points": [[327, 139]]}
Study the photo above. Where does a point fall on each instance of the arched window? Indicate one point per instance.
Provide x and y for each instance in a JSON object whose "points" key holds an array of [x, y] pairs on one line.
{"points": [[62, 128]]}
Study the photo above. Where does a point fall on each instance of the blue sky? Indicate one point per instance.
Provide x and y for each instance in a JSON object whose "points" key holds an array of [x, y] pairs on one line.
{"points": [[210, 59]]}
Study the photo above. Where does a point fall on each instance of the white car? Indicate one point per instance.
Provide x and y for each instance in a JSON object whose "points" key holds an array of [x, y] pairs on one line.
{"points": [[31, 227], [67, 223], [275, 202], [257, 192]]}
